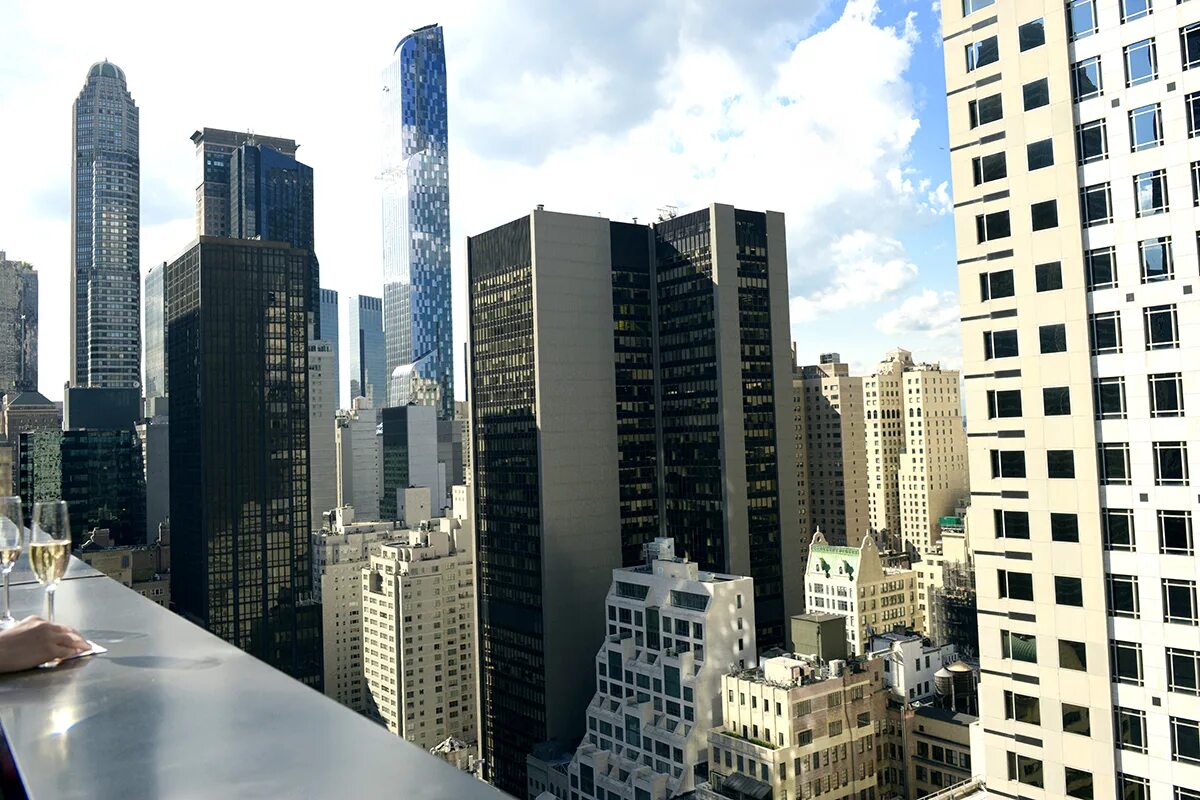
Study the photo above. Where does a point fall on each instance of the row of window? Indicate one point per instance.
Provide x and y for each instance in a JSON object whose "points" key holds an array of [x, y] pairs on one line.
{"points": [[1125, 660], [1165, 398], [1170, 463], [1175, 535], [1178, 596], [1160, 328]]}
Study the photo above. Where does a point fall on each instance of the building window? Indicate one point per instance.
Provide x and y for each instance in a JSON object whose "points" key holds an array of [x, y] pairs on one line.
{"points": [[1015, 585], [1079, 783], [989, 227], [989, 168], [1004, 403], [999, 344], [1110, 398], [1072, 655], [1192, 101], [1130, 729], [1064, 527], [1185, 740], [1096, 201], [1039, 155], [987, 51], [1092, 139], [1106, 332], [1123, 596], [1134, 9], [1056, 401], [1189, 45], [1081, 18], [1036, 94], [1068, 591], [1019, 646], [1022, 708], [1118, 529], [1196, 183], [1162, 327], [1008, 463], [1076, 719], [1114, 463], [1145, 127], [1175, 533], [1150, 193], [1141, 62], [1085, 79], [1101, 268], [1044, 215], [1048, 277], [1126, 662], [1131, 787], [1024, 769], [1167, 395], [971, 6], [1052, 338], [1179, 601], [985, 110], [1170, 464], [1155, 258], [1032, 34], [1183, 670], [995, 285], [1060, 464], [1011, 524]]}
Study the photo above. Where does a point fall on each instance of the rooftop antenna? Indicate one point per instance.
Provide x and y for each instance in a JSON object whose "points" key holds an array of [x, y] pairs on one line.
{"points": [[667, 212]]}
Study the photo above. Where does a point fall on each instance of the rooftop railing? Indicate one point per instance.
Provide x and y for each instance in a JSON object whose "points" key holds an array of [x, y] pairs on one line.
{"points": [[171, 711]]}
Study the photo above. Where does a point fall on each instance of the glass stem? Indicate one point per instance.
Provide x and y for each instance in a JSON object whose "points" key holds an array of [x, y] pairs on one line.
{"points": [[50, 603], [7, 607]]}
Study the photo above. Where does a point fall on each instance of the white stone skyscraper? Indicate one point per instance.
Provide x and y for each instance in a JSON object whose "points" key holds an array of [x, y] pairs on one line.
{"points": [[18, 326], [105, 214], [1073, 152]]}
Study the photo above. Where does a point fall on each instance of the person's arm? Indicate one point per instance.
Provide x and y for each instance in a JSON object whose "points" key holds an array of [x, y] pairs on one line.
{"points": [[34, 641]]}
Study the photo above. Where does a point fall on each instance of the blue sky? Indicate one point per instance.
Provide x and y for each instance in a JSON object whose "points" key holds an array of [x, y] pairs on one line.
{"points": [[830, 111]]}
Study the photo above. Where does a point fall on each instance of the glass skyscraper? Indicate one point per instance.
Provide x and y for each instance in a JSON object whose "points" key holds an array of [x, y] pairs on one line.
{"points": [[155, 335], [368, 363], [106, 279], [328, 332], [416, 226]]}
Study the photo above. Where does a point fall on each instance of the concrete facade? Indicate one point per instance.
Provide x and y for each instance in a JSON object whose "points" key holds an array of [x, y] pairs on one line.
{"points": [[322, 403], [358, 459]]}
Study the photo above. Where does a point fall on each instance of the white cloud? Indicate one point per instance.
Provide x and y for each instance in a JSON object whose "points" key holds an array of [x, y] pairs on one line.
{"points": [[867, 268], [929, 313]]}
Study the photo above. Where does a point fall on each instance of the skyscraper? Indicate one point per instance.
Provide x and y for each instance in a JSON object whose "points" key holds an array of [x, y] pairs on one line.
{"points": [[18, 326], [416, 226], [596, 426], [106, 276], [328, 332], [368, 361], [237, 352], [1068, 126], [214, 152], [155, 335]]}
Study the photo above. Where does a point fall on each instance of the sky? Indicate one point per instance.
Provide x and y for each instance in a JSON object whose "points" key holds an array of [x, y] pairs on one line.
{"points": [[831, 111]]}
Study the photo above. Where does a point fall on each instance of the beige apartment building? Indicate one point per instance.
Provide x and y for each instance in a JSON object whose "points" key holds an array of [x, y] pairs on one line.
{"points": [[1074, 131], [800, 729], [916, 450], [831, 469], [418, 596]]}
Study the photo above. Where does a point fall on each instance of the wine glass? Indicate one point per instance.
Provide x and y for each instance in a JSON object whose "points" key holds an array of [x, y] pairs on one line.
{"points": [[50, 547], [12, 538]]}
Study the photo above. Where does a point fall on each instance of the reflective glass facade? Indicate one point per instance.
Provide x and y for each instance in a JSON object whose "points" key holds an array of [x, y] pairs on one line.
{"points": [[368, 362], [328, 332], [416, 225], [155, 335], [106, 277], [238, 369]]}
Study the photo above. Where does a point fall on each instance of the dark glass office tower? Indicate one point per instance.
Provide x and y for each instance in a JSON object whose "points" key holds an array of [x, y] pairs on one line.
{"points": [[416, 226], [106, 278], [214, 153], [665, 412], [238, 380], [368, 361]]}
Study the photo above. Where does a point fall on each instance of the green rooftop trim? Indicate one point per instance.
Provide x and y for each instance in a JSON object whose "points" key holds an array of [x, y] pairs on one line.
{"points": [[949, 522], [833, 550]]}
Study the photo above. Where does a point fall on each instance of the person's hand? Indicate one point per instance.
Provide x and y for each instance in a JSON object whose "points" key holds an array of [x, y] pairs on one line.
{"points": [[34, 641]]}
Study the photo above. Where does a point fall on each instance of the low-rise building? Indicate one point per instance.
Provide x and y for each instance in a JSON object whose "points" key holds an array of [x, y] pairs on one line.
{"points": [[798, 728], [144, 568], [673, 632], [910, 662], [939, 743], [853, 582], [418, 596]]}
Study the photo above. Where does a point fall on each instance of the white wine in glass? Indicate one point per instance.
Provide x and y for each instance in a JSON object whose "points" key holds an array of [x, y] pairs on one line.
{"points": [[50, 547], [12, 537]]}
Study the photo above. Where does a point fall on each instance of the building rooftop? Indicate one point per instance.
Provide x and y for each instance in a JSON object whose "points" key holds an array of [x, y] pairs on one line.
{"points": [[106, 69], [932, 711]]}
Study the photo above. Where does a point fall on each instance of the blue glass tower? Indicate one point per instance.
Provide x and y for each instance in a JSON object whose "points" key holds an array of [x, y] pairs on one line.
{"points": [[367, 359], [416, 225]]}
